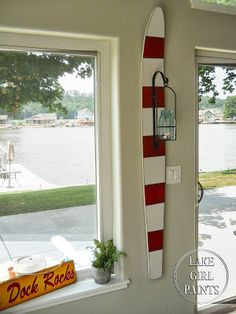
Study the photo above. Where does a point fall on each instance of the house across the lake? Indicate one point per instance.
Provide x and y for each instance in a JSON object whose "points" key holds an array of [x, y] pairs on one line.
{"points": [[42, 118], [85, 116], [210, 116], [3, 119]]}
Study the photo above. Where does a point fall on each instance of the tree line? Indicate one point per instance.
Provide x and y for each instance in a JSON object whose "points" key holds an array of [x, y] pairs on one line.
{"points": [[32, 79], [29, 84], [228, 105], [72, 101]]}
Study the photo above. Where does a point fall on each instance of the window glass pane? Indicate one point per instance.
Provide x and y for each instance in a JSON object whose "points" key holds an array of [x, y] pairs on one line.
{"points": [[47, 156], [224, 2]]}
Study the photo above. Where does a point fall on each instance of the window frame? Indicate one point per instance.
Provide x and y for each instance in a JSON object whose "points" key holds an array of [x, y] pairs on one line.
{"points": [[108, 151], [59, 42], [216, 58], [213, 7]]}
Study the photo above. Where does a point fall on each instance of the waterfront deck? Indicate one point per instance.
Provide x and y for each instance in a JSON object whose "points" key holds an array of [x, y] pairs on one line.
{"points": [[22, 179]]}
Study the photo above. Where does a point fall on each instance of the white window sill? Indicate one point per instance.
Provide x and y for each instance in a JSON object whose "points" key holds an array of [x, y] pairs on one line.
{"points": [[79, 290], [228, 307], [213, 7]]}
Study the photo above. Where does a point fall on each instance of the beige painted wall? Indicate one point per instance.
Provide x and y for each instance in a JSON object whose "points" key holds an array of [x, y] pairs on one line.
{"points": [[185, 29]]}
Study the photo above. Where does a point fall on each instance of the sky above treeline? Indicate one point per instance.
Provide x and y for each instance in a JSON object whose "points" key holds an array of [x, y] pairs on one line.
{"points": [[71, 82], [219, 84]]}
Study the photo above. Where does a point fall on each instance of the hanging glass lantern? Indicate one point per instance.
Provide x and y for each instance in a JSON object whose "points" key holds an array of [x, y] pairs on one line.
{"points": [[164, 118]]}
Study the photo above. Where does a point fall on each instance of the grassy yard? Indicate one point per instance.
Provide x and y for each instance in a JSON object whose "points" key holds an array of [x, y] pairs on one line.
{"points": [[29, 202], [215, 179]]}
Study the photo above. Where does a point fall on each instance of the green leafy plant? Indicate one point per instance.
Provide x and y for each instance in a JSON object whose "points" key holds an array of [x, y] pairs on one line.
{"points": [[105, 254]]}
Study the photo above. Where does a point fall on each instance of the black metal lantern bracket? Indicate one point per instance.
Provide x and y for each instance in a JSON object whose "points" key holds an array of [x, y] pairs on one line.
{"points": [[155, 107]]}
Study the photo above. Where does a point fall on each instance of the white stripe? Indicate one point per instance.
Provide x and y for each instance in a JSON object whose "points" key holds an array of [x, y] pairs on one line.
{"points": [[156, 26], [154, 170], [155, 264], [155, 217], [147, 119], [150, 66], [147, 122]]}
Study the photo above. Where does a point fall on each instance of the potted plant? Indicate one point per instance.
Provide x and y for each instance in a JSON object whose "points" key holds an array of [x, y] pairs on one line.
{"points": [[105, 255]]}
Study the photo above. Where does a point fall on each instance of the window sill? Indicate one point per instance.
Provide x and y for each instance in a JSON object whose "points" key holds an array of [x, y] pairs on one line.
{"points": [[79, 290], [213, 7], [224, 306]]}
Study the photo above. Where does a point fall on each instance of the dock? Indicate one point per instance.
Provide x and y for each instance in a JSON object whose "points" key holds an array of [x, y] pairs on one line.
{"points": [[22, 179]]}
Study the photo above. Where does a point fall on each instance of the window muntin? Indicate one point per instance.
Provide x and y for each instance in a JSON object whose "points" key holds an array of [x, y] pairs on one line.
{"points": [[40, 238]]}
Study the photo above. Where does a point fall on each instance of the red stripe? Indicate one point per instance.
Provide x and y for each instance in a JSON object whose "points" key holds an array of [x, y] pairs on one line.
{"points": [[149, 150], [154, 47], [154, 193], [155, 240], [147, 96]]}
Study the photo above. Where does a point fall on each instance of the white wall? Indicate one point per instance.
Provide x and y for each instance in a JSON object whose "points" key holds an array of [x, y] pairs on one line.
{"points": [[185, 29]]}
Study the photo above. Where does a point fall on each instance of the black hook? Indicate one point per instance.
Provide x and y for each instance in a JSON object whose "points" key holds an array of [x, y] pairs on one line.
{"points": [[154, 105]]}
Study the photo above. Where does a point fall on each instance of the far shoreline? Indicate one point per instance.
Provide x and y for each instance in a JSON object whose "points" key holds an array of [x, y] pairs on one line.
{"points": [[219, 122]]}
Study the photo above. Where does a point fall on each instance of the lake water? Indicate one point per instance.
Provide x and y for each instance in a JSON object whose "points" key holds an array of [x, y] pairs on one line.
{"points": [[66, 156], [61, 156], [217, 147]]}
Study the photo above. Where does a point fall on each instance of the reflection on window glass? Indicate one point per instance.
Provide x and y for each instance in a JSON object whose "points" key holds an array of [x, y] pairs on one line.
{"points": [[47, 157], [224, 2]]}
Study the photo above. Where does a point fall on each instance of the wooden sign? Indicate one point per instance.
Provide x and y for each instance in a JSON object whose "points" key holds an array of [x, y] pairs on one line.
{"points": [[26, 287]]}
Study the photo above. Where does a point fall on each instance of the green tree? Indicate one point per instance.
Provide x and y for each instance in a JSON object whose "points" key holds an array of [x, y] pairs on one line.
{"points": [[230, 80], [33, 77], [74, 101], [207, 75], [31, 109], [230, 107], [205, 104]]}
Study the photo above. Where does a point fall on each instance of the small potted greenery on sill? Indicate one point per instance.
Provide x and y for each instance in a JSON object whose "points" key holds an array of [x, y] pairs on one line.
{"points": [[105, 255]]}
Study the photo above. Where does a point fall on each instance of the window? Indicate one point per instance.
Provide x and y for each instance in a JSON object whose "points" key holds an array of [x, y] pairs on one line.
{"points": [[52, 163], [223, 2], [221, 6], [216, 65]]}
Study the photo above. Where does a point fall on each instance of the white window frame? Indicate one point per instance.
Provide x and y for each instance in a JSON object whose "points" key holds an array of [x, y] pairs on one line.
{"points": [[70, 43], [217, 58], [108, 151], [213, 7]]}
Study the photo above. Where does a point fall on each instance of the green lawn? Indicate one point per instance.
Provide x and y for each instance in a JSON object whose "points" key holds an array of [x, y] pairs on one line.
{"points": [[28, 202], [215, 179]]}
